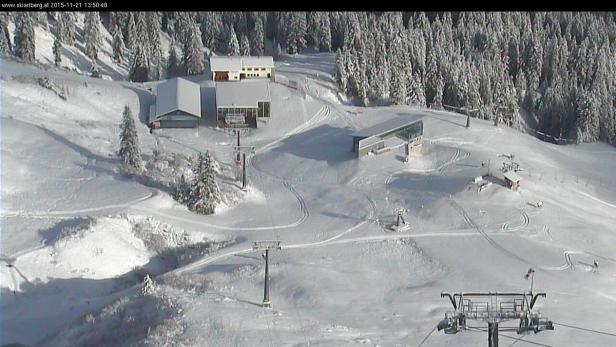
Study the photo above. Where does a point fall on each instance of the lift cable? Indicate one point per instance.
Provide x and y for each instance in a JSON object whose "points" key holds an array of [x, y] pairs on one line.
{"points": [[585, 329], [427, 336], [515, 338]]}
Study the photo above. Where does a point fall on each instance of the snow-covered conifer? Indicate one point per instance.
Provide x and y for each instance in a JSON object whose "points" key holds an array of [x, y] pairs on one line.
{"points": [[5, 38], [192, 59], [24, 36], [234, 46], [130, 154], [257, 43], [57, 54], [245, 46], [139, 65], [204, 193], [117, 45], [91, 33], [173, 62]]}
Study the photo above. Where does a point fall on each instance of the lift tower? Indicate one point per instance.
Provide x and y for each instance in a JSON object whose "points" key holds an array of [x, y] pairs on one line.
{"points": [[266, 245], [494, 308]]}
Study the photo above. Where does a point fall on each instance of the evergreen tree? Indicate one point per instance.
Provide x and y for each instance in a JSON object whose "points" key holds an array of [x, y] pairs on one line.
{"points": [[173, 62], [325, 34], [245, 46], [130, 34], [66, 28], [154, 25], [57, 54], [24, 36], [234, 47], [341, 74], [117, 45], [139, 70], [257, 43], [130, 154], [204, 193], [193, 53], [296, 32], [91, 33], [5, 38], [211, 26]]}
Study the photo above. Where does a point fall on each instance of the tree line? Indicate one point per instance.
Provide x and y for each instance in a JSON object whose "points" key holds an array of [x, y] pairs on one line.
{"points": [[559, 68]]}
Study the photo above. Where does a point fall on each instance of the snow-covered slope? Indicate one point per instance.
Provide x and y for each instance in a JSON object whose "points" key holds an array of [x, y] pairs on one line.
{"points": [[342, 277]]}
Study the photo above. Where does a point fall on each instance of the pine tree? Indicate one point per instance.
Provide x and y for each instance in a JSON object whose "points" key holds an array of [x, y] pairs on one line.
{"points": [[173, 61], [257, 43], [211, 26], [245, 46], [139, 70], [296, 35], [193, 52], [148, 286], [130, 154], [24, 36], [325, 34], [57, 54], [341, 71], [130, 34], [66, 28], [234, 47], [153, 20], [91, 33], [117, 44], [204, 193], [182, 190], [5, 38]]}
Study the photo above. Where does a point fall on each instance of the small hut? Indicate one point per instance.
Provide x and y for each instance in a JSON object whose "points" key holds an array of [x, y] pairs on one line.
{"points": [[512, 179]]}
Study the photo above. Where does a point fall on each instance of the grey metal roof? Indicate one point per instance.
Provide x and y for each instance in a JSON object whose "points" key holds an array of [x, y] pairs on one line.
{"points": [[235, 63], [512, 176], [389, 125], [244, 93], [178, 94]]}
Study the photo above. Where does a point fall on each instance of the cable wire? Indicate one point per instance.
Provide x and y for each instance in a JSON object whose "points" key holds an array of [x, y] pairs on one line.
{"points": [[518, 339], [427, 336], [585, 329]]}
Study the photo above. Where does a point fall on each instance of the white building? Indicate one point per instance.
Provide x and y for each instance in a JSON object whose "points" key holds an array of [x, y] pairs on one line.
{"points": [[237, 68]]}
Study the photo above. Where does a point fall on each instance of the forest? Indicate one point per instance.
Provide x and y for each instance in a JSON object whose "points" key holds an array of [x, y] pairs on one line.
{"points": [[552, 72]]}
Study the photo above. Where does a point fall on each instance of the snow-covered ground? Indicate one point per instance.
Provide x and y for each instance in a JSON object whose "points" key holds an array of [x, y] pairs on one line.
{"points": [[72, 227]]}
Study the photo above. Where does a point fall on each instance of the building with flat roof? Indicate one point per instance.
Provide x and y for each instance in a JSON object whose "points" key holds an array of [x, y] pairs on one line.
{"points": [[236, 68], [239, 105], [177, 105], [372, 139]]}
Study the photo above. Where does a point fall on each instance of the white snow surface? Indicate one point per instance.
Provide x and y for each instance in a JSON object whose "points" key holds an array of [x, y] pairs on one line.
{"points": [[342, 277]]}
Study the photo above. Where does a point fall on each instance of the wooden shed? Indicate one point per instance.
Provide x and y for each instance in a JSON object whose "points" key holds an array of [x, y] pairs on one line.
{"points": [[512, 180]]}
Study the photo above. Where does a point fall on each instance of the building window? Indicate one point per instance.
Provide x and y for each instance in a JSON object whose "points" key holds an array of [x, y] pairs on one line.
{"points": [[262, 69], [249, 69]]}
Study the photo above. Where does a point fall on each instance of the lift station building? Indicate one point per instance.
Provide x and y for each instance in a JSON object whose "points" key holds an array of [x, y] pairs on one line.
{"points": [[372, 139], [241, 104]]}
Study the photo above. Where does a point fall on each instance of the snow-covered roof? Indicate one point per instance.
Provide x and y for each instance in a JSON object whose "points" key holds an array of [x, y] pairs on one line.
{"points": [[387, 126], [223, 63], [512, 176], [244, 93], [178, 94]]}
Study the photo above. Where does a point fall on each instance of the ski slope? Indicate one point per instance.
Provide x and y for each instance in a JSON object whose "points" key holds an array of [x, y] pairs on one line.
{"points": [[342, 277]]}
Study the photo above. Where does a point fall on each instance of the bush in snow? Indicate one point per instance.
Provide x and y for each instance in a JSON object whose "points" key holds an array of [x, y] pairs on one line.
{"points": [[130, 154]]}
